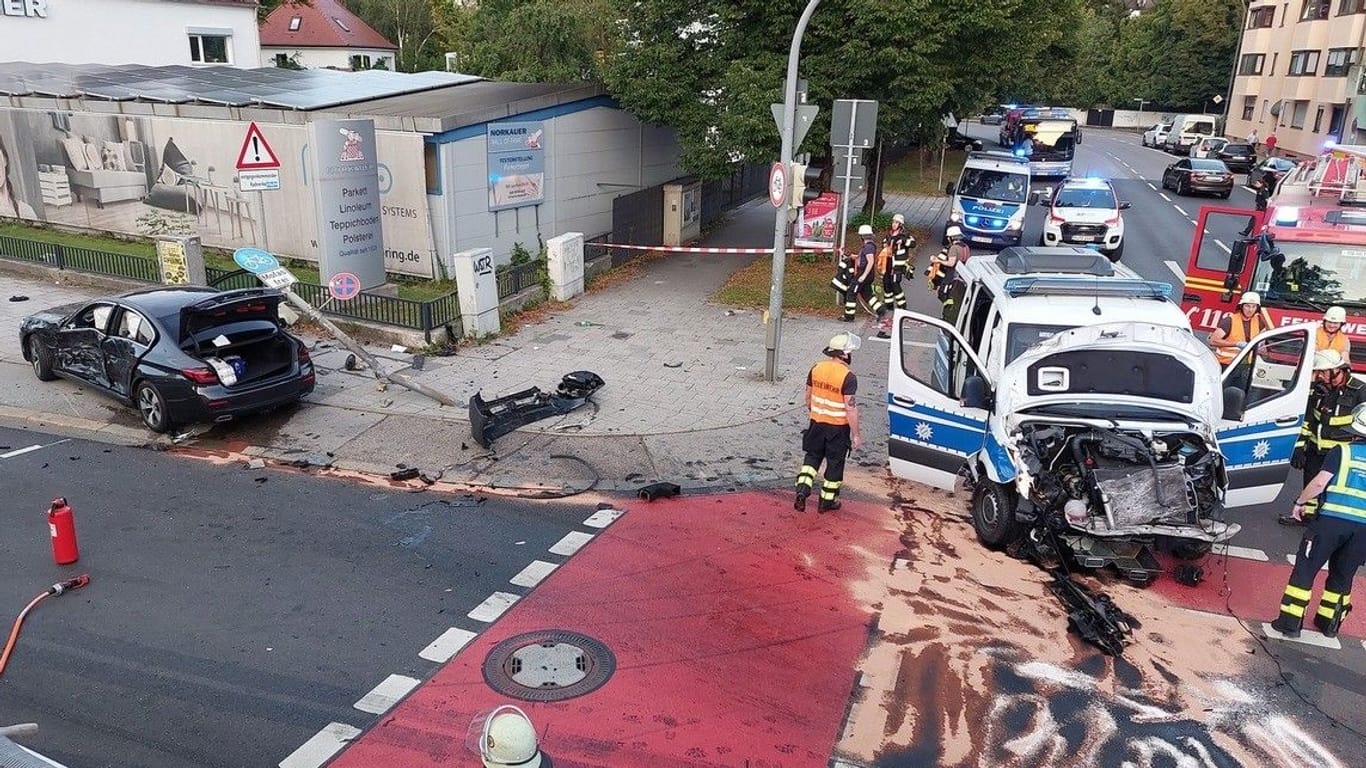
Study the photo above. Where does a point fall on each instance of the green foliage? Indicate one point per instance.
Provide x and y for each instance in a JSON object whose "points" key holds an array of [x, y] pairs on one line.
{"points": [[520, 255], [881, 221], [538, 41], [408, 24]]}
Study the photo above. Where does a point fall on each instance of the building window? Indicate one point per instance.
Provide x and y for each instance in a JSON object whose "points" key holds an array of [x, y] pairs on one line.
{"points": [[294, 23], [1251, 63], [1339, 61], [1298, 113], [1303, 63], [1315, 10], [1261, 17], [1265, 104], [431, 166], [360, 61], [341, 24], [210, 49], [1318, 119], [1351, 6], [1249, 104], [1335, 120]]}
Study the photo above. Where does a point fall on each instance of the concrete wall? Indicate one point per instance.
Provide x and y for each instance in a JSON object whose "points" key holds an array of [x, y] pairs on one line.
{"points": [[326, 58], [592, 156], [152, 32]]}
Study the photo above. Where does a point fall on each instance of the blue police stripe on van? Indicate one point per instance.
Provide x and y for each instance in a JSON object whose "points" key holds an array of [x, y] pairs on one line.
{"points": [[936, 428], [1257, 444]]}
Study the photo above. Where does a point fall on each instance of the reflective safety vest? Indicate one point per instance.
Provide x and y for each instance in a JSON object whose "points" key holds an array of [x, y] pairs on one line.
{"points": [[901, 243], [884, 259], [1336, 341], [827, 392], [1240, 329], [1345, 496]]}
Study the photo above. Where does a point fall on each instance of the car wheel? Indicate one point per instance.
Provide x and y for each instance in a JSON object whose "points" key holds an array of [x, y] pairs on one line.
{"points": [[993, 515], [1191, 550], [1225, 195], [152, 407], [1183, 188], [41, 359], [1041, 241], [1117, 252]]}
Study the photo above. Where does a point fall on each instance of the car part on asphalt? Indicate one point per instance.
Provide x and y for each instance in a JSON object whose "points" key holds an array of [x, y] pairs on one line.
{"points": [[61, 587], [1093, 616], [659, 491], [491, 419]]}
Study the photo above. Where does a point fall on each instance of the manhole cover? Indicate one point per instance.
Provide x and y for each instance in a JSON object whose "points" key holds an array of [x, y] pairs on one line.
{"points": [[549, 665]]}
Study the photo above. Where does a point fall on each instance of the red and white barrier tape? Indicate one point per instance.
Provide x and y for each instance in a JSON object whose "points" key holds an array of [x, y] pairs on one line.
{"points": [[699, 249]]}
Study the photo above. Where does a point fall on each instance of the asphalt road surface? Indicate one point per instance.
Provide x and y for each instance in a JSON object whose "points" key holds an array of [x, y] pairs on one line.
{"points": [[232, 613]]}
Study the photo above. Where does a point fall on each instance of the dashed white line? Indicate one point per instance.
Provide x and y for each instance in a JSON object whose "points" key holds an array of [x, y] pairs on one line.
{"points": [[1242, 553], [443, 648], [603, 518], [1181, 210], [1176, 270], [1307, 637], [494, 605], [1249, 189], [1152, 186], [1221, 244], [533, 573], [1163, 195], [321, 747], [20, 451], [571, 543], [1291, 559], [384, 696]]}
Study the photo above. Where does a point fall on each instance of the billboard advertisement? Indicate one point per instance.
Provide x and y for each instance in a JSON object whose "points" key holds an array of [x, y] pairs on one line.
{"points": [[346, 191], [817, 222], [150, 176], [516, 164]]}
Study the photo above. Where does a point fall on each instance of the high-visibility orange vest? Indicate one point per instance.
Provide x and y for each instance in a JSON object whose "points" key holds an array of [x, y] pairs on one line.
{"points": [[1337, 341], [1236, 333], [827, 392], [883, 256]]}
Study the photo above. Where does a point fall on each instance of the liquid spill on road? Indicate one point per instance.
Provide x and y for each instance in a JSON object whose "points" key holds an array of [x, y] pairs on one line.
{"points": [[971, 665]]}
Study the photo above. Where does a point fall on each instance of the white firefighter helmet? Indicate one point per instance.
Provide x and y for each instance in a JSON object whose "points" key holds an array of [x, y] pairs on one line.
{"points": [[1335, 315], [1359, 419], [898, 219], [953, 232], [865, 230], [1328, 360], [505, 737], [844, 342], [1251, 297]]}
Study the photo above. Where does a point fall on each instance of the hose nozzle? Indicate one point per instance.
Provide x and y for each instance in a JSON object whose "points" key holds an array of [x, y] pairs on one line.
{"points": [[70, 584]]}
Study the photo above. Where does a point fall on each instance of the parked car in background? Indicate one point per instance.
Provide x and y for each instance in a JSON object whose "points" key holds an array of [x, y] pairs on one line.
{"points": [[1206, 176], [1207, 147], [994, 117], [1238, 156], [179, 355], [1277, 165], [1188, 130], [1156, 136]]}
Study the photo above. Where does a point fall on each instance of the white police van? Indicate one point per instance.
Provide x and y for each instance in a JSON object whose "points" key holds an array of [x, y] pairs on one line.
{"points": [[990, 198], [1073, 397]]}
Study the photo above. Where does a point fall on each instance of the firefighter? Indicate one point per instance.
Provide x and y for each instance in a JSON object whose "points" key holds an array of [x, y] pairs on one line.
{"points": [[1336, 536], [903, 261], [834, 430], [864, 268], [1236, 330], [843, 283], [1327, 420], [942, 265], [1330, 334]]}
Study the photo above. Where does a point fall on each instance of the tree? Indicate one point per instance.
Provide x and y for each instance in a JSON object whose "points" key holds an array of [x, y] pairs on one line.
{"points": [[527, 40], [409, 25]]}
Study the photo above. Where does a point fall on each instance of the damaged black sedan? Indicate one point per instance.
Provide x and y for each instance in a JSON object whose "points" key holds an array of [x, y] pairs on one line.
{"points": [[180, 355]]}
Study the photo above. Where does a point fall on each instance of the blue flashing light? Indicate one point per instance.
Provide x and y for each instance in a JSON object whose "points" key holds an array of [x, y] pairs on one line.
{"points": [[1329, 144], [1288, 215], [1020, 152], [973, 219]]}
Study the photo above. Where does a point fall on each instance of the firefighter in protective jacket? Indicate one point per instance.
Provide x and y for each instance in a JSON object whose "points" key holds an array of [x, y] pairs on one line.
{"points": [[1327, 420], [902, 246]]}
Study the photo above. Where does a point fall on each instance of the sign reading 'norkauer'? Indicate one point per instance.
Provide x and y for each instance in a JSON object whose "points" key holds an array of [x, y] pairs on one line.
{"points": [[516, 164], [346, 190], [33, 9]]}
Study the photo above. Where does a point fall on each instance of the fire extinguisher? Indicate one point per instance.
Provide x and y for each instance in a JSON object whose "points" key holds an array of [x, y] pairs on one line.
{"points": [[61, 522]]}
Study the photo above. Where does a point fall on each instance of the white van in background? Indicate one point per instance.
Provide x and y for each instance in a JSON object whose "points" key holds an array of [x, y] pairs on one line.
{"points": [[1189, 129]]}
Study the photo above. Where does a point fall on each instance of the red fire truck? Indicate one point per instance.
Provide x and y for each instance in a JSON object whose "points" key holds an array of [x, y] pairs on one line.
{"points": [[1304, 253]]}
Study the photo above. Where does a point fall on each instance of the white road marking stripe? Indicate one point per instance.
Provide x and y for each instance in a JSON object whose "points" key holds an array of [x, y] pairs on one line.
{"points": [[494, 605], [321, 747], [443, 648], [1220, 243], [603, 518], [1211, 614], [1176, 270], [1242, 553], [1163, 195], [21, 451], [1249, 189], [1291, 559], [1152, 186], [1307, 637], [533, 573], [384, 696], [1181, 211], [571, 543]]}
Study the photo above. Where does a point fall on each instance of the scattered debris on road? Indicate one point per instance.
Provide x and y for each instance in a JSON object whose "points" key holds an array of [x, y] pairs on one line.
{"points": [[492, 419]]}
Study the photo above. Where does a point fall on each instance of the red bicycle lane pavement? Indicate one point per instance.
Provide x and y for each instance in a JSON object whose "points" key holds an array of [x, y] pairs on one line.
{"points": [[736, 628]]}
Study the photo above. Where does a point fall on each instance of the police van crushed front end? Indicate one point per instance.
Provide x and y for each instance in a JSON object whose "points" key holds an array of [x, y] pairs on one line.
{"points": [[1103, 442]]}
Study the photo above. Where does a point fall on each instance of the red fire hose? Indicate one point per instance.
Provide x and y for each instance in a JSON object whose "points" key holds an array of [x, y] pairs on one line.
{"points": [[56, 589]]}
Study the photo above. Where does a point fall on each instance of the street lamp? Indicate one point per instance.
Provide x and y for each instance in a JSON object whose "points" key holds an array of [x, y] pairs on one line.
{"points": [[1141, 102], [780, 226]]}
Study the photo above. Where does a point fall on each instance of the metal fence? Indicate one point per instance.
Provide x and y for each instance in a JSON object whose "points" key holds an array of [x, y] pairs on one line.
{"points": [[515, 278], [80, 259]]}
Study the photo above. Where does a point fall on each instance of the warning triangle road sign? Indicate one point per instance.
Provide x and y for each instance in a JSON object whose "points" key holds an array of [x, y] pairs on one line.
{"points": [[256, 154]]}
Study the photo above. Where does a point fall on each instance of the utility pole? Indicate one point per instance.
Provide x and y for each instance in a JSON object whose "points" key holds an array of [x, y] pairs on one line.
{"points": [[1141, 102], [780, 225]]}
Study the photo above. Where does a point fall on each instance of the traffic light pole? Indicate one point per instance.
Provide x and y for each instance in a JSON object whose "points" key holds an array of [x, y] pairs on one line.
{"points": [[780, 224]]}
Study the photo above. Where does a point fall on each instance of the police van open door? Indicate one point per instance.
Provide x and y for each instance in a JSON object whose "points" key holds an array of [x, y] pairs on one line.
{"points": [[932, 433], [1265, 392]]}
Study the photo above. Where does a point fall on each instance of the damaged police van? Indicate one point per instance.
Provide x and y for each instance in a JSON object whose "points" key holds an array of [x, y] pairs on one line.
{"points": [[1077, 421]]}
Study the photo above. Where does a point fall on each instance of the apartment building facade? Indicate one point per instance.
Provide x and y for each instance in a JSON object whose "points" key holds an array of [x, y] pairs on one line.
{"points": [[1299, 75]]}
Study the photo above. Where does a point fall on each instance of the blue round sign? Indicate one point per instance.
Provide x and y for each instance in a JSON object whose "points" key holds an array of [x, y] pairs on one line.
{"points": [[255, 260], [343, 286]]}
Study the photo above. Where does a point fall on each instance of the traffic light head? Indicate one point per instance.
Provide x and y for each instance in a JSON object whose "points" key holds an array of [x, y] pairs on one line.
{"points": [[807, 183]]}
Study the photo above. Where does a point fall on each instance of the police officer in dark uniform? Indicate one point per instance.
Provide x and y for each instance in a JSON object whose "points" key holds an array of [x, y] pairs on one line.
{"points": [[1336, 536], [1327, 421]]}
